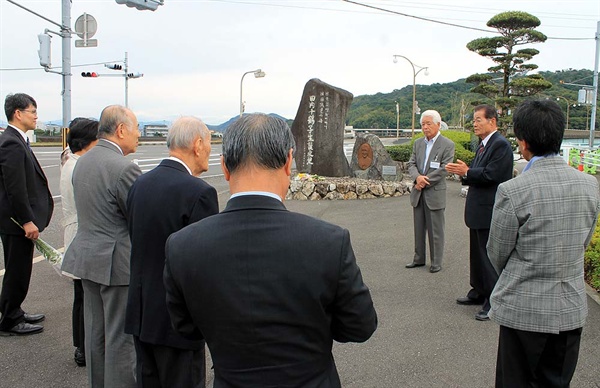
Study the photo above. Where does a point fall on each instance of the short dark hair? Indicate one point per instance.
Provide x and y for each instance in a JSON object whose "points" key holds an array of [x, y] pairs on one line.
{"points": [[82, 132], [15, 102], [541, 123], [489, 111], [257, 139]]}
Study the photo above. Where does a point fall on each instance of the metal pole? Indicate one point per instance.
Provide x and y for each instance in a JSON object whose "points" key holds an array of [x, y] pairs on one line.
{"points": [[126, 81], [397, 119], [66, 61], [241, 90], [595, 95], [414, 99]]}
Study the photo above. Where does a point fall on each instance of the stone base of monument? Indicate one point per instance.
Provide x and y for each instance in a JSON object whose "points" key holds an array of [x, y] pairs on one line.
{"points": [[313, 188], [370, 160]]}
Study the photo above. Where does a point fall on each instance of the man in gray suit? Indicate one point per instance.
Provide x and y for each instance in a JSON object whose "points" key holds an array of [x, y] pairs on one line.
{"points": [[101, 249], [428, 197], [541, 224]]}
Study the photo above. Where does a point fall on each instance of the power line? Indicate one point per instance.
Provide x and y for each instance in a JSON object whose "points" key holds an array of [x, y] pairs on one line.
{"points": [[41, 68]]}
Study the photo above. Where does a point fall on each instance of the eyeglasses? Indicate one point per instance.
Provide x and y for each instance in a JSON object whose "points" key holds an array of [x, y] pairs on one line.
{"points": [[33, 112], [479, 121]]}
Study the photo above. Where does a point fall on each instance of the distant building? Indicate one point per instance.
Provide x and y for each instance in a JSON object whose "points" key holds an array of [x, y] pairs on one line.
{"points": [[159, 130]]}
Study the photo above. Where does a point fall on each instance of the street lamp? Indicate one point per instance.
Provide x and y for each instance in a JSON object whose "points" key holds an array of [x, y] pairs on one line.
{"points": [[257, 74], [568, 105], [414, 98]]}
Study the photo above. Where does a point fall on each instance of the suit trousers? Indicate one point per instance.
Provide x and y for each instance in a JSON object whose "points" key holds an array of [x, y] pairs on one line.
{"points": [[430, 222], [77, 316], [18, 265], [109, 352], [160, 366], [530, 359], [483, 276]]}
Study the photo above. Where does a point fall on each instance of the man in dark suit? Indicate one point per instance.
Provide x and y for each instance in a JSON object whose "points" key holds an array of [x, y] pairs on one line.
{"points": [[427, 169], [492, 165], [160, 203], [24, 197], [101, 249], [269, 289]]}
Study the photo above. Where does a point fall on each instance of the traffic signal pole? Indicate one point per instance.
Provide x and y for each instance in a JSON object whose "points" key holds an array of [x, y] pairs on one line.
{"points": [[65, 33]]}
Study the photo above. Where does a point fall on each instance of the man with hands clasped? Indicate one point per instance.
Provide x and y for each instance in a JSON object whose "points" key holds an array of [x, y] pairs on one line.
{"points": [[428, 197]]}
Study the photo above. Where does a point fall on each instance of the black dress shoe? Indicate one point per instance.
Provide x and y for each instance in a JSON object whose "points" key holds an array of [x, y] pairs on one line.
{"points": [[435, 268], [482, 316], [464, 300], [414, 265], [22, 328], [34, 318], [79, 357]]}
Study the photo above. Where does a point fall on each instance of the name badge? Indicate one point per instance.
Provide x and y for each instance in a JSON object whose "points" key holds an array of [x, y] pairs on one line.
{"points": [[434, 165]]}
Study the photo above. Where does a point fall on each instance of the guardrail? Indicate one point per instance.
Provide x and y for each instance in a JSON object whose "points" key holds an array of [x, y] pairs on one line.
{"points": [[582, 157]]}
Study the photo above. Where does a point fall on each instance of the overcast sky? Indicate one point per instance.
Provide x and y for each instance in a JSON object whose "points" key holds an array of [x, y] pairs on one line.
{"points": [[193, 52]]}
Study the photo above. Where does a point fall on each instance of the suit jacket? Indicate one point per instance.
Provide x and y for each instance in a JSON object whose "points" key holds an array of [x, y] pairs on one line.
{"points": [[24, 192], [490, 168], [160, 202], [442, 152], [101, 248], [270, 290], [542, 222]]}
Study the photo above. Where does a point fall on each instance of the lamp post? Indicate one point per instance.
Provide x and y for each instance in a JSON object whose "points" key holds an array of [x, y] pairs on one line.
{"points": [[258, 73], [568, 106], [397, 119], [415, 72]]}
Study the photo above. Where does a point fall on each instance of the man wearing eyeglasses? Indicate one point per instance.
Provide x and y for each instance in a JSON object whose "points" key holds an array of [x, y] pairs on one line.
{"points": [[492, 165], [25, 198]]}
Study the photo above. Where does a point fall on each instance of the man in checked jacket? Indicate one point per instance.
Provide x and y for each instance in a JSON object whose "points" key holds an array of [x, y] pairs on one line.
{"points": [[541, 223]]}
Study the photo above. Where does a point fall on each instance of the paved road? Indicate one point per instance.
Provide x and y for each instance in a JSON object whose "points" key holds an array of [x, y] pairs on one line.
{"points": [[424, 338]]}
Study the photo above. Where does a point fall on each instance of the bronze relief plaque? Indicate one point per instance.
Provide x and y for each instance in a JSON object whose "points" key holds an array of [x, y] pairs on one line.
{"points": [[365, 156]]}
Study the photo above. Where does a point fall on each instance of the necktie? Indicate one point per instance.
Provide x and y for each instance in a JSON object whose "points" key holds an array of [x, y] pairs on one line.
{"points": [[480, 149], [28, 144]]}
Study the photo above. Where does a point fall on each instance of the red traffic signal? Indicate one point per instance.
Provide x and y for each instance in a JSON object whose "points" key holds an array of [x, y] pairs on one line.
{"points": [[88, 74]]}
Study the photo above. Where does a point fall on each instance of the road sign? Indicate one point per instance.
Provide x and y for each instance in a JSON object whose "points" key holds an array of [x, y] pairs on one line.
{"points": [[86, 26], [86, 43]]}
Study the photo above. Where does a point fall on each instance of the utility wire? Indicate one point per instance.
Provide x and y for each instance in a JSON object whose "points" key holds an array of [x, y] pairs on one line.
{"points": [[41, 68], [444, 23]]}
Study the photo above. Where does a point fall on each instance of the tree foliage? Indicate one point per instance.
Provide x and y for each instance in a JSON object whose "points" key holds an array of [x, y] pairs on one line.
{"points": [[516, 28]]}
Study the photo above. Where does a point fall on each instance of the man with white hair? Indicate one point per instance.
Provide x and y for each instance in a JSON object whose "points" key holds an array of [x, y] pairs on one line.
{"points": [[162, 202], [428, 196]]}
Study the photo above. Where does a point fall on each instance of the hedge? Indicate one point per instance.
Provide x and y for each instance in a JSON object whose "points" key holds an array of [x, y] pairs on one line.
{"points": [[591, 260], [462, 142]]}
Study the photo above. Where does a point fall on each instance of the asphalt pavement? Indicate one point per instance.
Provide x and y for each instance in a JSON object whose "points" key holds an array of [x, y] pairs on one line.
{"points": [[424, 338]]}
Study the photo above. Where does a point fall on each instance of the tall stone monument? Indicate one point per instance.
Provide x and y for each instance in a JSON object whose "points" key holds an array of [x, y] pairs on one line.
{"points": [[318, 130], [370, 160]]}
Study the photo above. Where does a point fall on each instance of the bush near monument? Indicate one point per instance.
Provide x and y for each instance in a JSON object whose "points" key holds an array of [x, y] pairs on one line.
{"points": [[462, 142], [591, 261]]}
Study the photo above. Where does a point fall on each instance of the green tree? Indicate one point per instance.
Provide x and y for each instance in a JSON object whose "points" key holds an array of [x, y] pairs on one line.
{"points": [[516, 28]]}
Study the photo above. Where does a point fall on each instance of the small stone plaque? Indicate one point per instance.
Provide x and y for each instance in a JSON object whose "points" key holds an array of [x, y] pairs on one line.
{"points": [[388, 170]]}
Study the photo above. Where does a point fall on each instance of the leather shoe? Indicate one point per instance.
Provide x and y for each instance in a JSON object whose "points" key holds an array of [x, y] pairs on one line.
{"points": [[435, 268], [22, 328], [464, 300], [482, 316], [33, 318], [413, 265], [79, 357]]}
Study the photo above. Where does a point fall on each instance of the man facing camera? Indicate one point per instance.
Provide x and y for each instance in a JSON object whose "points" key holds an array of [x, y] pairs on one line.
{"points": [[161, 202], [428, 197], [267, 288], [542, 222]]}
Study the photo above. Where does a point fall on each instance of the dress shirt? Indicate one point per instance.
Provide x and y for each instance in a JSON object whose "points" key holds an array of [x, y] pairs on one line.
{"points": [[22, 133], [173, 158], [532, 160], [263, 193], [428, 147]]}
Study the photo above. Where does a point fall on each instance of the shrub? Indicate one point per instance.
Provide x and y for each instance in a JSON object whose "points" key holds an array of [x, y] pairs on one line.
{"points": [[400, 153], [591, 260], [462, 142]]}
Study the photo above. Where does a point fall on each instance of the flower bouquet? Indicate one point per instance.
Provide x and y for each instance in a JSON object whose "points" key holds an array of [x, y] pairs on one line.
{"points": [[50, 253]]}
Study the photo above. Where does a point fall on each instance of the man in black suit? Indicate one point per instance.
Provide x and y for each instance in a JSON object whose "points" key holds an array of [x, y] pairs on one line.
{"points": [[492, 165], [159, 203], [24, 197], [267, 288]]}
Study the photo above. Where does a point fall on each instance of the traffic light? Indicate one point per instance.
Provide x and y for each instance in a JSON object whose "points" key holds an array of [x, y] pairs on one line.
{"points": [[45, 49], [134, 75], [88, 74], [115, 66], [142, 5]]}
